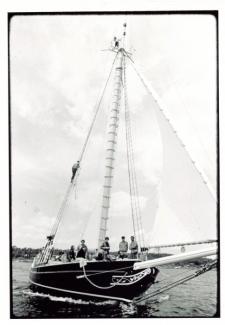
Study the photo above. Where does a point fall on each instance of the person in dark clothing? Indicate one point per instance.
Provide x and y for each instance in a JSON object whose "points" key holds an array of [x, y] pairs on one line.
{"points": [[116, 42], [99, 257], [82, 250], [74, 169], [105, 247], [71, 254], [59, 256]]}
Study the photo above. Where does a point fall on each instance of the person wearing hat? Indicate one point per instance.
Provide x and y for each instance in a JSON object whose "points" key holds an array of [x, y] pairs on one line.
{"points": [[123, 248], [74, 169], [105, 247]]}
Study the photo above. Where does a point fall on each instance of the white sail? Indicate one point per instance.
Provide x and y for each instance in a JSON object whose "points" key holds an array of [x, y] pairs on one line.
{"points": [[187, 207]]}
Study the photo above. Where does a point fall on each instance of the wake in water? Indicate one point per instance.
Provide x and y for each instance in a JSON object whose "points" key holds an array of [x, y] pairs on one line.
{"points": [[163, 298], [69, 300], [197, 299]]}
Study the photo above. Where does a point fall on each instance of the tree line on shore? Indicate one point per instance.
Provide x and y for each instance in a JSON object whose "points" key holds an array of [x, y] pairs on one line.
{"points": [[30, 253]]}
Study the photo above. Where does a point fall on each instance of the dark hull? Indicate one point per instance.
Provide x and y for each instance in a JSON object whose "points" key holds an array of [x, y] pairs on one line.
{"points": [[105, 280]]}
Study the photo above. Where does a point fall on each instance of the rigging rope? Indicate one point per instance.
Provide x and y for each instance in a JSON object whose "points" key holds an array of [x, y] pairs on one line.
{"points": [[96, 112], [61, 210], [128, 160], [101, 287], [131, 166], [134, 195], [150, 91], [203, 270], [193, 123], [209, 241], [108, 271], [72, 185]]}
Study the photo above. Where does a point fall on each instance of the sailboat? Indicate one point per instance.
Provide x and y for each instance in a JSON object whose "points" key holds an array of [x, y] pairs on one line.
{"points": [[121, 279]]}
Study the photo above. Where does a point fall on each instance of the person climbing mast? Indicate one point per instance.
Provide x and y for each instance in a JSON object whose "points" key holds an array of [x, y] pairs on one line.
{"points": [[116, 43], [74, 170]]}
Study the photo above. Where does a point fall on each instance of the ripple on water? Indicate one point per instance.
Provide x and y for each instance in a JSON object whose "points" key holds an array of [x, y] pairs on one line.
{"points": [[198, 298]]}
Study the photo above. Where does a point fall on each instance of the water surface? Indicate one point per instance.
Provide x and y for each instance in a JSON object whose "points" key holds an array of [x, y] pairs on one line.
{"points": [[196, 298]]}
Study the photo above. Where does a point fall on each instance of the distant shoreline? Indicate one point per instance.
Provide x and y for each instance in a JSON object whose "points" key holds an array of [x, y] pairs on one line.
{"points": [[199, 262]]}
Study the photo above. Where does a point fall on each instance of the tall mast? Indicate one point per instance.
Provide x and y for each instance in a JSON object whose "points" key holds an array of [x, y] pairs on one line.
{"points": [[111, 143]]}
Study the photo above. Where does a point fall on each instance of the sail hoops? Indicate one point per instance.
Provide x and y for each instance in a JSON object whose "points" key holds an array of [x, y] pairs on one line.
{"points": [[111, 145], [119, 84]]}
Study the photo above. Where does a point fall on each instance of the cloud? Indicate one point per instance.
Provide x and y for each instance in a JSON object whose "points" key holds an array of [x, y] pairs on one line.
{"points": [[121, 203], [57, 72], [34, 229]]}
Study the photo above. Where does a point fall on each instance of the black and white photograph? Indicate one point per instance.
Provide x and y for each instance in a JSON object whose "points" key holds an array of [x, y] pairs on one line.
{"points": [[114, 164]]}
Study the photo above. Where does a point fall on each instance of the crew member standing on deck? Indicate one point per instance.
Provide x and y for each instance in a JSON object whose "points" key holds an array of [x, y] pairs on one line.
{"points": [[74, 169], [123, 248], [133, 248], [82, 250], [105, 247]]}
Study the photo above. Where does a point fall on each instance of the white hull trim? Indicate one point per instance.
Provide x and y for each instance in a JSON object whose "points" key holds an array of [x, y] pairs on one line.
{"points": [[73, 271], [139, 276], [76, 262], [81, 293]]}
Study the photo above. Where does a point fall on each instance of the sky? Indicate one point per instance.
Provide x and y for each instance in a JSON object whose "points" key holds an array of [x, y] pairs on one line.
{"points": [[57, 71]]}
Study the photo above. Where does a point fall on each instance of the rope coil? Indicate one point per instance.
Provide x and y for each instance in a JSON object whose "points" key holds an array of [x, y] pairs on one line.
{"points": [[101, 287]]}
